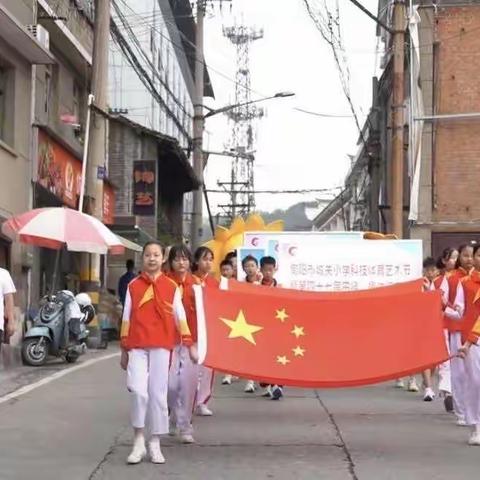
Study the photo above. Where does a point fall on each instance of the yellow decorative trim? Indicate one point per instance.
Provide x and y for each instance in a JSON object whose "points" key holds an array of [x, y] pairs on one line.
{"points": [[147, 296], [124, 329]]}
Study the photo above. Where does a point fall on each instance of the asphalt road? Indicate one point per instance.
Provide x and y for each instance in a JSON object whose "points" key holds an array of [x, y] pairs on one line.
{"points": [[76, 427]]}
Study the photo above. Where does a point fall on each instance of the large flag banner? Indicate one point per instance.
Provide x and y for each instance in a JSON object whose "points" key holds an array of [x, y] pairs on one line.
{"points": [[345, 339]]}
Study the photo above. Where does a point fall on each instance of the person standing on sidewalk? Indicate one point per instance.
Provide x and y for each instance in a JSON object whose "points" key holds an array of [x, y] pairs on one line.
{"points": [[125, 279], [7, 306], [153, 317]]}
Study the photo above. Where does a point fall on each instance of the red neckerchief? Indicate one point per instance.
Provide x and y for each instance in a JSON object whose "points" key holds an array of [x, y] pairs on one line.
{"points": [[156, 295], [273, 283]]}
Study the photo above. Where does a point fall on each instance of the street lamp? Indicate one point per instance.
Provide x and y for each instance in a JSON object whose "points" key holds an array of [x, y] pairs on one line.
{"points": [[211, 112]]}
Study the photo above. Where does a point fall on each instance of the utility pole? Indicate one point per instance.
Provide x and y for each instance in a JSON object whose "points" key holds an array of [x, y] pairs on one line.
{"points": [[398, 117], [198, 124], [98, 145]]}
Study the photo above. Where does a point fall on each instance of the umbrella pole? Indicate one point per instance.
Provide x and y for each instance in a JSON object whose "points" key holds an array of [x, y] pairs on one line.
{"points": [[55, 270]]}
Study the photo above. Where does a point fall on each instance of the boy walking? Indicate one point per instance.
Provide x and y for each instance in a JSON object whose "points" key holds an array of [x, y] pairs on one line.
{"points": [[268, 267]]}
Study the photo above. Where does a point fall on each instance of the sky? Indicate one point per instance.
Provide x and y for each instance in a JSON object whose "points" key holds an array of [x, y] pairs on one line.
{"points": [[294, 150]]}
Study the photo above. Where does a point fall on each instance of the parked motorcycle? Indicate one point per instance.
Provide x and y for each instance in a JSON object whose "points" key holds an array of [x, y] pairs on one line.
{"points": [[59, 328]]}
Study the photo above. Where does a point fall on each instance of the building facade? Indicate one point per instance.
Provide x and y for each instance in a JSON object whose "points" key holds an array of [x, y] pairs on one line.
{"points": [[441, 147], [157, 90]]}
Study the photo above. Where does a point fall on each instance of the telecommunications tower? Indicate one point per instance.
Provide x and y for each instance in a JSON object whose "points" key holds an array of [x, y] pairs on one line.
{"points": [[240, 187]]}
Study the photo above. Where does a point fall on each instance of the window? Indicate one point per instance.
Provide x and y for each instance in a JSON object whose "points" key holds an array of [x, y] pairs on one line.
{"points": [[3, 101], [76, 102], [48, 89], [7, 96]]}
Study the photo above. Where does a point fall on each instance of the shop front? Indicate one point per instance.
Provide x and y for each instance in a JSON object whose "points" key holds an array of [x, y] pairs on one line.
{"points": [[58, 183]]}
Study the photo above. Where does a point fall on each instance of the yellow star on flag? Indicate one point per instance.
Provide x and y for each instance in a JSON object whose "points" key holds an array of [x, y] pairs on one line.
{"points": [[282, 315], [298, 351], [282, 360], [298, 331], [239, 328]]}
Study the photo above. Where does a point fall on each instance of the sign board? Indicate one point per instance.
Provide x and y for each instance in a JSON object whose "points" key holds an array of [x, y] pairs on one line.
{"points": [[144, 187], [59, 171], [336, 262]]}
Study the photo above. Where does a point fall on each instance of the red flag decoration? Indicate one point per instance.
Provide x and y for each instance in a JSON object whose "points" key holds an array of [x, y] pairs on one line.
{"points": [[319, 339]]}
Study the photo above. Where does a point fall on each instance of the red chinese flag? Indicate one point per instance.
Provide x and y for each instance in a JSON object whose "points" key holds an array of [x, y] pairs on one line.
{"points": [[338, 340]]}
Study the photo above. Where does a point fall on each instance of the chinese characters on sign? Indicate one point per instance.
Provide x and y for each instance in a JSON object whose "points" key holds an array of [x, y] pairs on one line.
{"points": [[144, 187], [349, 265]]}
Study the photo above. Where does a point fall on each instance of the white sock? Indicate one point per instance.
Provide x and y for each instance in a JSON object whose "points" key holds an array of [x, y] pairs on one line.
{"points": [[139, 438], [155, 439]]}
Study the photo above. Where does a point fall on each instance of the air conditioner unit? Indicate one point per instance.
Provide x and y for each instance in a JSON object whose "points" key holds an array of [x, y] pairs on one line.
{"points": [[40, 34]]}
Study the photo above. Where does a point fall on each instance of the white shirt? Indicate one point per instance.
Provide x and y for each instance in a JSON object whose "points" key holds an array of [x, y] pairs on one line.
{"points": [[6, 287]]}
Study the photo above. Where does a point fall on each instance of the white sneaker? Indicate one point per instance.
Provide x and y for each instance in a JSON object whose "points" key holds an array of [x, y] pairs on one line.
{"points": [[187, 438], [156, 455], [250, 387], [399, 384], [474, 440], [267, 392], [138, 453], [429, 395], [227, 380], [412, 385], [461, 422], [204, 411]]}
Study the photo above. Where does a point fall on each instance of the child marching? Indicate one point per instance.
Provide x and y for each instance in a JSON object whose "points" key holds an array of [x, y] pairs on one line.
{"points": [[471, 330], [183, 383], [454, 313], [202, 267], [153, 318]]}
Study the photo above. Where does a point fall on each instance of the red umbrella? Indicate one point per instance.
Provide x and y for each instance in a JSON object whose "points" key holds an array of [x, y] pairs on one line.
{"points": [[63, 227]]}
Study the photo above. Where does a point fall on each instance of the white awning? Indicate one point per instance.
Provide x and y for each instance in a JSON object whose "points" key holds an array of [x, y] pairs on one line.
{"points": [[15, 34], [129, 245]]}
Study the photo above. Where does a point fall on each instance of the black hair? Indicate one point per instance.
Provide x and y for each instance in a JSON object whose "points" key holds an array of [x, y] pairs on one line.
{"points": [[429, 262], [229, 256], [152, 242], [267, 261], [444, 257], [130, 264], [179, 251], [249, 258], [200, 252], [226, 262], [461, 248]]}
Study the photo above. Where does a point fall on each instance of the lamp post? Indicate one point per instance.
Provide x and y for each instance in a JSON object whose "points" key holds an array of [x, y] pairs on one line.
{"points": [[227, 108], [198, 157]]}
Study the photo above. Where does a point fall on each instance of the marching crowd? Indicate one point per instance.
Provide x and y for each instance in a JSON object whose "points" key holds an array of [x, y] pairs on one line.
{"points": [[456, 274], [159, 336]]}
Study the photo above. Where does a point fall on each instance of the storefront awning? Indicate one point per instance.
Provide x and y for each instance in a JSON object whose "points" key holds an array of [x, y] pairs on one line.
{"points": [[14, 33], [129, 245]]}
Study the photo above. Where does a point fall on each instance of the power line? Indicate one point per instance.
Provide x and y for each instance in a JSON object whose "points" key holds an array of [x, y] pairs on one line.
{"points": [[299, 191]]}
